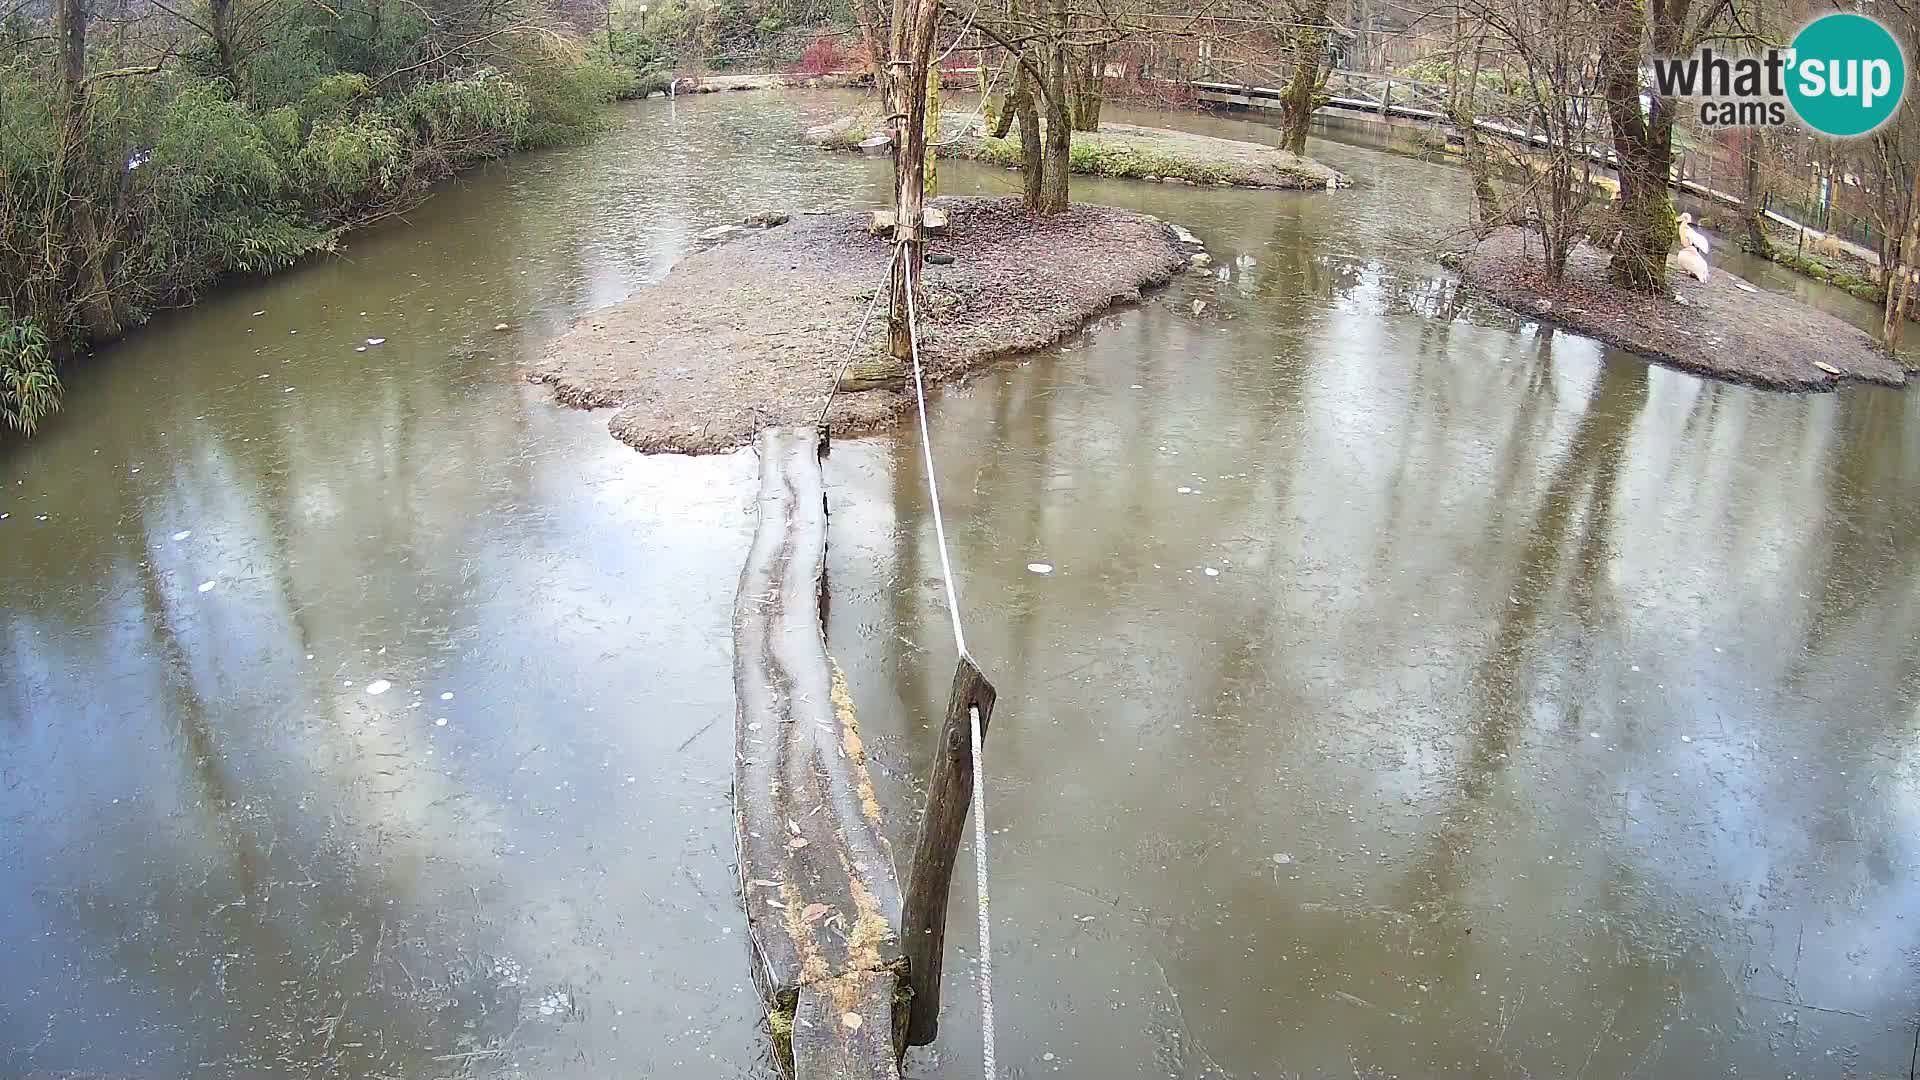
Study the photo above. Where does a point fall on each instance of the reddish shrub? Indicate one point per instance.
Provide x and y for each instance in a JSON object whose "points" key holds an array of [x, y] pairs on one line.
{"points": [[825, 55]]}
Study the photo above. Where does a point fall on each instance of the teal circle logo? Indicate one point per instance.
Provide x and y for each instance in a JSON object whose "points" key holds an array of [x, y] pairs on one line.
{"points": [[1848, 75]]}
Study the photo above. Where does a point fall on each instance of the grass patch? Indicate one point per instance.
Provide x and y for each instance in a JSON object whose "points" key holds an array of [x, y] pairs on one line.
{"points": [[1097, 157], [1810, 266]]}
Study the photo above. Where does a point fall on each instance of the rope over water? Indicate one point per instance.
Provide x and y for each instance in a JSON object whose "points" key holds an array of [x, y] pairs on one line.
{"points": [[900, 253], [973, 711]]}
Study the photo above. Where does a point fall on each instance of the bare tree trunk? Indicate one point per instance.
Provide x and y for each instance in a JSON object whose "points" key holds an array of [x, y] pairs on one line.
{"points": [[1463, 112], [1899, 269], [1643, 146], [1310, 52], [913, 30], [1059, 128], [72, 234], [1754, 199], [220, 21], [1032, 158], [1004, 109], [1089, 89]]}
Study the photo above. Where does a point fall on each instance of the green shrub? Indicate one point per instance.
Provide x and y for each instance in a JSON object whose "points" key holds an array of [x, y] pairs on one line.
{"points": [[185, 174], [331, 97], [568, 103], [216, 148], [262, 243], [468, 119], [354, 159], [29, 388], [292, 60]]}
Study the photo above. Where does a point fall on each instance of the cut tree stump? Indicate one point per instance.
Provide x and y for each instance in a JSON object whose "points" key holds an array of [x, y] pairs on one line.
{"points": [[822, 901]]}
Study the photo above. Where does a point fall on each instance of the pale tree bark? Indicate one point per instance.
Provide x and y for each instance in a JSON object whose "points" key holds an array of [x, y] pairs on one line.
{"points": [[220, 23], [1754, 198], [1900, 269], [907, 73]]}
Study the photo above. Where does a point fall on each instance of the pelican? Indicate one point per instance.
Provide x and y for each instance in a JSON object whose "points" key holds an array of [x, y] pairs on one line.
{"points": [[1692, 256], [1691, 238], [1689, 260]]}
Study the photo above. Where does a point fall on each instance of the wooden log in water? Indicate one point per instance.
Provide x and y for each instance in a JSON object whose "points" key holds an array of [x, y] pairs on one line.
{"points": [[816, 874], [949, 793]]}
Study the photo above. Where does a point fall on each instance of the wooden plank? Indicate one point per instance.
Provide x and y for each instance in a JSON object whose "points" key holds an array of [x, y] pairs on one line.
{"points": [[949, 793], [816, 873], [848, 1026]]}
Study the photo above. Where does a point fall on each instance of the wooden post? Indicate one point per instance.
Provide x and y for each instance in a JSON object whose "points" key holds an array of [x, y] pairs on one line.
{"points": [[923, 923]]}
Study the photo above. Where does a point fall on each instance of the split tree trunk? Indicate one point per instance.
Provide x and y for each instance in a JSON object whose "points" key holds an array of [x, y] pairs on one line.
{"points": [[1643, 145], [1002, 107], [1089, 88]]}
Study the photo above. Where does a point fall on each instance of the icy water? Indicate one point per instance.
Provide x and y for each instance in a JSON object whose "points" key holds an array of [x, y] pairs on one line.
{"points": [[1415, 691]]}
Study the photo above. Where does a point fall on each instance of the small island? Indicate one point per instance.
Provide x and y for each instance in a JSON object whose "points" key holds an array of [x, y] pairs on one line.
{"points": [[753, 331], [1722, 328], [1123, 151]]}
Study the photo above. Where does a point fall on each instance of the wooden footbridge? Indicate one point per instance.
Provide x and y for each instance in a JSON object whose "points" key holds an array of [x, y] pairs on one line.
{"points": [[1375, 95], [848, 969]]}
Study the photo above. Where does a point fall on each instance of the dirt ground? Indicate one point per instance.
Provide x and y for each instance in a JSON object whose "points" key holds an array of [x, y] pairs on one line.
{"points": [[753, 331], [1713, 328]]}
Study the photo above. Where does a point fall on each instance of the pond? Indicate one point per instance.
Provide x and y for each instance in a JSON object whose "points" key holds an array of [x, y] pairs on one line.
{"points": [[1416, 690]]}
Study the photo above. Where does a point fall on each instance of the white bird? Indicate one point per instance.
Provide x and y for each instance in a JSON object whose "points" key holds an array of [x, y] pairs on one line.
{"points": [[1690, 260], [1691, 238]]}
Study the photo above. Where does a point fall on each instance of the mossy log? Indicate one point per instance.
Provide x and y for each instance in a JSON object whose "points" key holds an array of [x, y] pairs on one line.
{"points": [[822, 901]]}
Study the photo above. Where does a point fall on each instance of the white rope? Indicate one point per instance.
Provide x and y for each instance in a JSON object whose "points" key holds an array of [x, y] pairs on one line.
{"points": [[980, 878], [926, 455], [962, 35], [978, 110], [973, 711]]}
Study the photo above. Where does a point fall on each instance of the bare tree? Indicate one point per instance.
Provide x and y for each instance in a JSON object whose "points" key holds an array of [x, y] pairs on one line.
{"points": [[1543, 51], [1643, 134]]}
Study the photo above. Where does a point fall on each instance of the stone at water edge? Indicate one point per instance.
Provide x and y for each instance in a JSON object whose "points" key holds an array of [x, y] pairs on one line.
{"points": [[1826, 367], [1201, 260]]}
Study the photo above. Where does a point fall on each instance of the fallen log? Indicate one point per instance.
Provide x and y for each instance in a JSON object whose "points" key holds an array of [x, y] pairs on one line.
{"points": [[816, 873]]}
